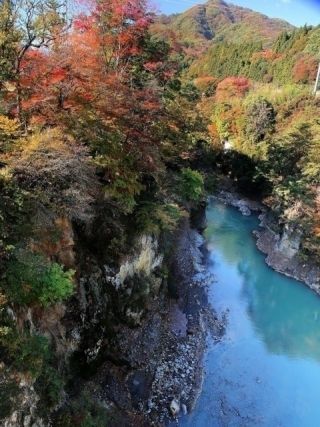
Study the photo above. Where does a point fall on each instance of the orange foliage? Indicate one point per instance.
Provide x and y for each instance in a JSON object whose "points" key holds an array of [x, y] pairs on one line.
{"points": [[232, 87], [205, 82], [91, 67], [213, 132], [305, 70], [267, 54]]}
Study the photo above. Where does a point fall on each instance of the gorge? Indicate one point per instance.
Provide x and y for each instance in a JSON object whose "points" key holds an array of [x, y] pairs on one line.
{"points": [[137, 151]]}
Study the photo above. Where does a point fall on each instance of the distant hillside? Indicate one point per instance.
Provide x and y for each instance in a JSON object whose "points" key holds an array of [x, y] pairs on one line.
{"points": [[219, 21], [220, 40], [292, 58]]}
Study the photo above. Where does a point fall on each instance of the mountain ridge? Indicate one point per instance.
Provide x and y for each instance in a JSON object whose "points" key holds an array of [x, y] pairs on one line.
{"points": [[218, 20]]}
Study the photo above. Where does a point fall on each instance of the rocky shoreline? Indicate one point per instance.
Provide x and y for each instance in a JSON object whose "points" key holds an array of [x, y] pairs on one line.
{"points": [[160, 374], [282, 249]]}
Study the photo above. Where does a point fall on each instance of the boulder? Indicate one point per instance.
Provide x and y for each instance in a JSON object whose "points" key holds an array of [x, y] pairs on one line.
{"points": [[174, 407]]}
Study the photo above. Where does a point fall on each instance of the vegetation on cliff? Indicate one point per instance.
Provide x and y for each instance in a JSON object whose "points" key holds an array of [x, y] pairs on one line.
{"points": [[97, 137]]}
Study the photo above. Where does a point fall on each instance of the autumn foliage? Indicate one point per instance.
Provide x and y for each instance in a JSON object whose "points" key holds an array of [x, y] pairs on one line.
{"points": [[267, 54], [232, 87], [94, 64], [305, 70]]}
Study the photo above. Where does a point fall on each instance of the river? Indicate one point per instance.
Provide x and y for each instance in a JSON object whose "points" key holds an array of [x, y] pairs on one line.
{"points": [[265, 370]]}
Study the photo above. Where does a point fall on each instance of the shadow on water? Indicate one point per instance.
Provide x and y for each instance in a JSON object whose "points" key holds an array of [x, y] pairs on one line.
{"points": [[266, 369]]}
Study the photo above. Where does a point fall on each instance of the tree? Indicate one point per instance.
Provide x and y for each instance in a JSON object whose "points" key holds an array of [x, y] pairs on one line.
{"points": [[10, 38], [122, 27], [232, 87], [260, 119], [305, 70], [29, 25], [31, 279], [191, 185]]}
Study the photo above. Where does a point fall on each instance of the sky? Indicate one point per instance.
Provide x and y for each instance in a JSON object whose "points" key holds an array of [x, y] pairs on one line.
{"points": [[297, 12]]}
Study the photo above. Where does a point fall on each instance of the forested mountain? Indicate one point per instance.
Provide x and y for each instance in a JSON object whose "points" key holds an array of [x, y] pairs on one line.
{"points": [[292, 57], [113, 128], [217, 21]]}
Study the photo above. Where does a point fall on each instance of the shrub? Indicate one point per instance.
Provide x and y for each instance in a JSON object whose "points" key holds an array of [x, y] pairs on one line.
{"points": [[11, 213], [8, 393], [261, 119], [232, 87], [191, 185], [8, 132], [49, 386], [32, 279], [83, 412], [305, 70], [153, 218], [25, 352]]}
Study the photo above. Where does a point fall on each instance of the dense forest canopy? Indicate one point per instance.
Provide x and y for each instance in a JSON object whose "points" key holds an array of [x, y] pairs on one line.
{"points": [[113, 122]]}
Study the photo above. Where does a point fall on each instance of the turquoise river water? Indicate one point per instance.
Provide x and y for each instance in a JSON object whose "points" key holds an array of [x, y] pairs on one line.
{"points": [[265, 371]]}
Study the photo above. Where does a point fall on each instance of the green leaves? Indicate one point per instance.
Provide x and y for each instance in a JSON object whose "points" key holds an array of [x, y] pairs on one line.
{"points": [[31, 279], [191, 185], [155, 218], [28, 353]]}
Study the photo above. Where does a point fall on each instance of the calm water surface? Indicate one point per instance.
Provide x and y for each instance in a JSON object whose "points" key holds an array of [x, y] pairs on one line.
{"points": [[266, 369]]}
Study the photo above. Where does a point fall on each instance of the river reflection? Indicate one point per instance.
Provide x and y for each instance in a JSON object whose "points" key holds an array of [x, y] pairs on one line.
{"points": [[266, 369]]}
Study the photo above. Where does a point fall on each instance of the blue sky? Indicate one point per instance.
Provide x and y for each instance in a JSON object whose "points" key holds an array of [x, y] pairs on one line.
{"points": [[298, 12]]}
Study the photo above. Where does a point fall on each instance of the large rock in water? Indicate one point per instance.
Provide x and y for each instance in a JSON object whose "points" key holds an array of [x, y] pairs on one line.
{"points": [[243, 208], [175, 407]]}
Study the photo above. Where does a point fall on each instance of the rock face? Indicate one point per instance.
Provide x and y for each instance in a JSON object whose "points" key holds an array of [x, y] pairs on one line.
{"points": [[144, 261], [283, 253], [25, 410], [78, 327], [290, 241]]}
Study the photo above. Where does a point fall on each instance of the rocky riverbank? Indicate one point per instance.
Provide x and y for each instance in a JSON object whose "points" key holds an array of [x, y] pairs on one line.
{"points": [[282, 248], [159, 375], [284, 255]]}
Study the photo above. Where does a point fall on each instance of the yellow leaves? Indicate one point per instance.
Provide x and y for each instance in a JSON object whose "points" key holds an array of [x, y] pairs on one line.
{"points": [[8, 127], [4, 330], [49, 140], [8, 132], [3, 37], [9, 87], [5, 174]]}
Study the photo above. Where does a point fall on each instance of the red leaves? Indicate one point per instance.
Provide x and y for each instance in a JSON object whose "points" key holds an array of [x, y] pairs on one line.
{"points": [[82, 23], [232, 87], [94, 70], [58, 75], [153, 66], [305, 70]]}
